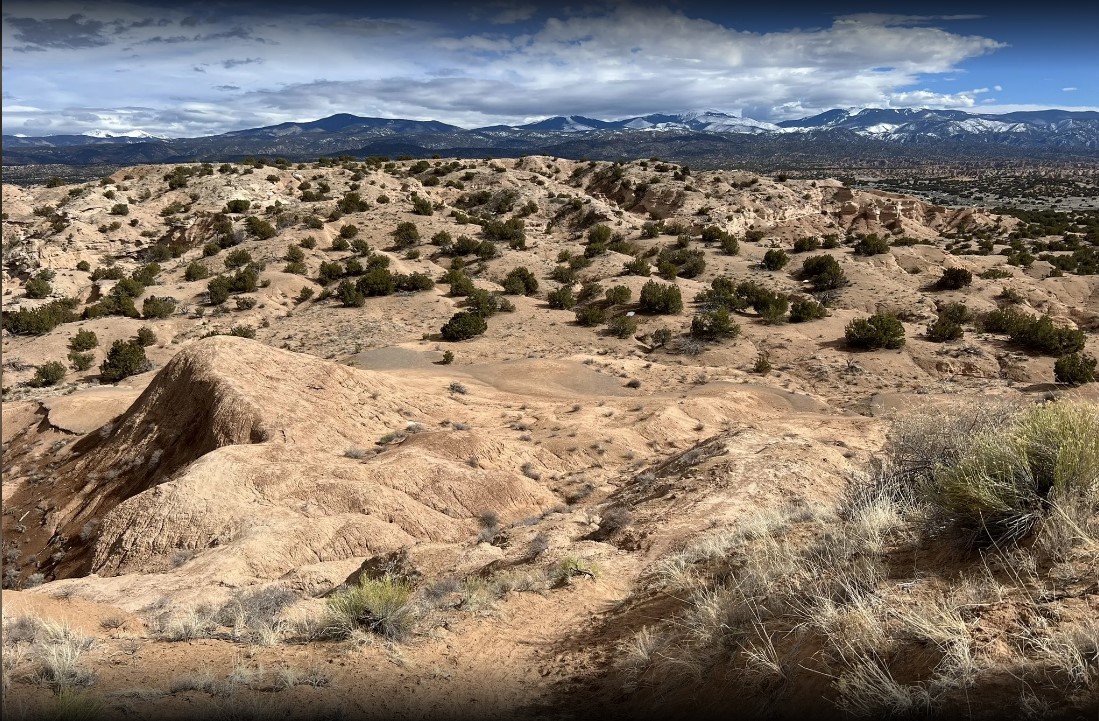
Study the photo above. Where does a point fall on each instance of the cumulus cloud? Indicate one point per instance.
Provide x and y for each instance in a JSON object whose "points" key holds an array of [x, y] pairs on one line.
{"points": [[610, 61]]}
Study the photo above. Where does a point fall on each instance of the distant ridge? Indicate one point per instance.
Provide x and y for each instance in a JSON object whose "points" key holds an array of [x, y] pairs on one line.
{"points": [[954, 133]]}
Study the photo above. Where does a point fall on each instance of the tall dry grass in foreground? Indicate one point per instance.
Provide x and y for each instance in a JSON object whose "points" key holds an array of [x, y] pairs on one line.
{"points": [[960, 576]]}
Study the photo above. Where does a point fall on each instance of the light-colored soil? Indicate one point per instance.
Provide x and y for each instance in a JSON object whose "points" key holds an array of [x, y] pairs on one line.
{"points": [[338, 435]]}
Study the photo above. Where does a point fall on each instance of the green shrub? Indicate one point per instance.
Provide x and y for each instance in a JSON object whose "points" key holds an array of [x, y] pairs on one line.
{"points": [[242, 331], [48, 374], [730, 245], [520, 281], [1003, 320], [352, 202], [944, 329], [124, 359], [81, 361], [871, 245], [294, 254], [238, 259], [1075, 369], [413, 282], [806, 309], [622, 327], [349, 295], [406, 234], [259, 227], [483, 303], [218, 290], [329, 271], [954, 279], [660, 298], [196, 271], [304, 294], [806, 244], [512, 231], [563, 274], [210, 249], [619, 294], [1001, 487], [145, 337], [591, 315], [421, 205], [237, 206], [377, 281], [878, 331], [38, 287], [561, 298], [83, 340], [157, 307], [245, 280], [714, 325], [762, 364], [381, 606], [1041, 334], [824, 272], [41, 320], [348, 232], [775, 259], [120, 209], [637, 266], [589, 291], [309, 242], [772, 308], [84, 266], [464, 325]]}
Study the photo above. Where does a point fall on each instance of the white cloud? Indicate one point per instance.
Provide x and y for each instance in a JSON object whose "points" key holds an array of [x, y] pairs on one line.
{"points": [[611, 62], [1069, 90]]}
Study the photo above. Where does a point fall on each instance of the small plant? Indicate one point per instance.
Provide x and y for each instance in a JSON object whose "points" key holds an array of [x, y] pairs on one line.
{"points": [[954, 279], [877, 331], [775, 259], [381, 606], [124, 359], [824, 272], [871, 245], [145, 337], [464, 325], [622, 327], [81, 361], [448, 357], [1075, 369], [571, 566], [456, 387], [83, 340], [806, 309], [48, 374], [762, 364]]}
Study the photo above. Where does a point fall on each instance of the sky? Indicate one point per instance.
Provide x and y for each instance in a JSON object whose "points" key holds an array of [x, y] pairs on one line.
{"points": [[190, 69]]}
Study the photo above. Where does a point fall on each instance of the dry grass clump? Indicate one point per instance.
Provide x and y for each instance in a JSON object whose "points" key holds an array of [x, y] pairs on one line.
{"points": [[383, 606], [891, 605]]}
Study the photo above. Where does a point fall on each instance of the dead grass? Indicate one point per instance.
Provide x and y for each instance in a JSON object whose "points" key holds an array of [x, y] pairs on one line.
{"points": [[875, 596]]}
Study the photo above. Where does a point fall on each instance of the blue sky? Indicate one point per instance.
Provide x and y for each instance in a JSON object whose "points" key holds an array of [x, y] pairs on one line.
{"points": [[194, 69]]}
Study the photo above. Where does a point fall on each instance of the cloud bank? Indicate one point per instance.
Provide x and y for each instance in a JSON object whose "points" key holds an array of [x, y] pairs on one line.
{"points": [[177, 72]]}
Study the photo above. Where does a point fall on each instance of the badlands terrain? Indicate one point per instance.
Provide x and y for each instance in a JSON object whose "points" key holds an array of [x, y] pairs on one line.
{"points": [[542, 438]]}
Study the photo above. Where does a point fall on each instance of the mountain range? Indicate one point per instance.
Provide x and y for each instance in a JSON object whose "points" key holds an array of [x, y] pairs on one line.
{"points": [[708, 136]]}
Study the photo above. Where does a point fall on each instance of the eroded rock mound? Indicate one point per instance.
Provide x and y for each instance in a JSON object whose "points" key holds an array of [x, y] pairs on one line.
{"points": [[234, 461]]}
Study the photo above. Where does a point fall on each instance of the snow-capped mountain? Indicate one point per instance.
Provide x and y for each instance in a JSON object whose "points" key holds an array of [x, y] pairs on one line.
{"points": [[704, 134], [104, 134], [908, 125]]}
